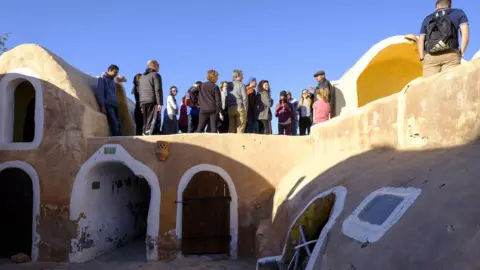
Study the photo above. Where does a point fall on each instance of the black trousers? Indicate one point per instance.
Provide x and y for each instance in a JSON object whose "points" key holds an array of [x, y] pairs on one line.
{"points": [[138, 120], [264, 127], [192, 123], [207, 117], [304, 124], [150, 114], [224, 124]]}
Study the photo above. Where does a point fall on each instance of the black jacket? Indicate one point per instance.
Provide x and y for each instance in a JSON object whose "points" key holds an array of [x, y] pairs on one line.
{"points": [[209, 98], [150, 87]]}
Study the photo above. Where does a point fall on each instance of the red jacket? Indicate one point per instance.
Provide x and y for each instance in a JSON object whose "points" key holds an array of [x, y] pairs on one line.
{"points": [[183, 120]]}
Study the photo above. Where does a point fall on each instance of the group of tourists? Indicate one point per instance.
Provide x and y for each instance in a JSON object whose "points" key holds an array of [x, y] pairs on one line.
{"points": [[230, 107], [235, 107]]}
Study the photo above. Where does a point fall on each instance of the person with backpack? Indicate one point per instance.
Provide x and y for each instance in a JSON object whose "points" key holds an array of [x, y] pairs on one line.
{"points": [[106, 94], [284, 114], [438, 45], [191, 99]]}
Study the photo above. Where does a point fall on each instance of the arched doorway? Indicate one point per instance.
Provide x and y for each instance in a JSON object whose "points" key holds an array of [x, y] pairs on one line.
{"points": [[123, 206], [16, 212], [206, 215], [24, 113], [116, 211], [233, 205]]}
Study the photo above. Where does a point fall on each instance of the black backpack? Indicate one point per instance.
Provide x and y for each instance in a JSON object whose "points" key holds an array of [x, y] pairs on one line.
{"points": [[442, 34], [193, 97]]}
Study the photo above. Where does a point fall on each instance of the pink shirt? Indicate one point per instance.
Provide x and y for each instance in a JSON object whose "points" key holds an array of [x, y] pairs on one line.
{"points": [[321, 111]]}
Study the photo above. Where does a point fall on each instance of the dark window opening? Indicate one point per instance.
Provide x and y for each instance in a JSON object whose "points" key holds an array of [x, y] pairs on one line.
{"points": [[24, 113], [380, 208], [16, 210]]}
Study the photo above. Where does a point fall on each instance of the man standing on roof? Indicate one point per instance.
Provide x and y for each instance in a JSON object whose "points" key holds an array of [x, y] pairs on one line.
{"points": [[438, 44], [151, 96], [237, 103], [106, 94], [324, 83]]}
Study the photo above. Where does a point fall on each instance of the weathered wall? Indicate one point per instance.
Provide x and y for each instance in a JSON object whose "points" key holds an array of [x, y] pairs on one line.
{"points": [[62, 148], [255, 176], [71, 114], [114, 213], [391, 142]]}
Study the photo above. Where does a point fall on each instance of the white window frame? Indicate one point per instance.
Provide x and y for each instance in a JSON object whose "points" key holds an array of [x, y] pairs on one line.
{"points": [[8, 85], [364, 231]]}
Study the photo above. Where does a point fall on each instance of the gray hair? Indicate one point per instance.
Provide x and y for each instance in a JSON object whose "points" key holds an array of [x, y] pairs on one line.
{"points": [[151, 62], [237, 73]]}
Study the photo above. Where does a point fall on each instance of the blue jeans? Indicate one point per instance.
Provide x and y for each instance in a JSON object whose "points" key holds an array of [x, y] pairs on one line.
{"points": [[113, 121]]}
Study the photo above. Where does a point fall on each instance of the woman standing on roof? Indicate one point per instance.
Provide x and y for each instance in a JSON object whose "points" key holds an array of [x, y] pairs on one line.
{"points": [[263, 103], [171, 123], [305, 112]]}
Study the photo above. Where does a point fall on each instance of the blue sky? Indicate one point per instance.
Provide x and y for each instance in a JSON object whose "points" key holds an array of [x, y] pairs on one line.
{"points": [[282, 41]]}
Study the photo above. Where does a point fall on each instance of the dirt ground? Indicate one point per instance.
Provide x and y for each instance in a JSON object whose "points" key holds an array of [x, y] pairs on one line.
{"points": [[131, 257]]}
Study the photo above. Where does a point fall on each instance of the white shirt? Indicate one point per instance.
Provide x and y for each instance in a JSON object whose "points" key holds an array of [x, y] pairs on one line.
{"points": [[172, 108]]}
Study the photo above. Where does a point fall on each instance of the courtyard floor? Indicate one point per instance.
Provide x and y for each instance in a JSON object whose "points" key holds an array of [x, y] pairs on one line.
{"points": [[130, 257]]}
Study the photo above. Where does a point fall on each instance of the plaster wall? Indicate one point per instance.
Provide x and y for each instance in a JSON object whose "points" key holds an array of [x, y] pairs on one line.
{"points": [[61, 90], [254, 176], [476, 56], [387, 142], [115, 213]]}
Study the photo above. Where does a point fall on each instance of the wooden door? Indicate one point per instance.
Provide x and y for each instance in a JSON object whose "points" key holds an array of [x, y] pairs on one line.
{"points": [[16, 206], [206, 215]]}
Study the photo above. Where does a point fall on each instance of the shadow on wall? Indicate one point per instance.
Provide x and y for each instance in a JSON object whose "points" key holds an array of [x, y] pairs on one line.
{"points": [[125, 118], [448, 180], [388, 72], [339, 100], [253, 191]]}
